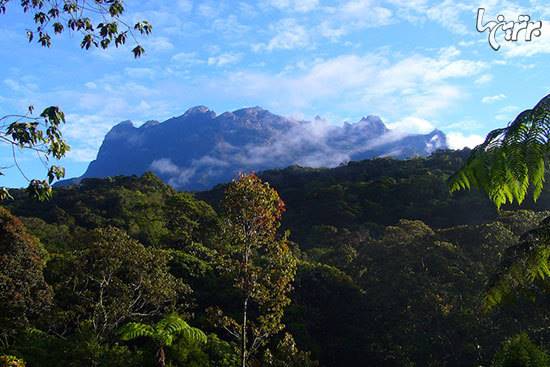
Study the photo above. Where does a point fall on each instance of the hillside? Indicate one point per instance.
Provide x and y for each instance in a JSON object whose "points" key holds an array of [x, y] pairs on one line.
{"points": [[371, 194]]}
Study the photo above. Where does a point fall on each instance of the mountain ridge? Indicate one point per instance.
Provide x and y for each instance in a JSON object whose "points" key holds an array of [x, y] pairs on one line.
{"points": [[200, 148]]}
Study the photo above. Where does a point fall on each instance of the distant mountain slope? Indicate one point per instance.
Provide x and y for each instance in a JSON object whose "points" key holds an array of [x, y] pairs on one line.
{"points": [[199, 149]]}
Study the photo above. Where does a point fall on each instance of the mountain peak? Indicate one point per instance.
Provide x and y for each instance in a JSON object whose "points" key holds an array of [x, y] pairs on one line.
{"points": [[249, 111], [124, 124], [149, 123], [200, 149], [372, 123], [199, 110]]}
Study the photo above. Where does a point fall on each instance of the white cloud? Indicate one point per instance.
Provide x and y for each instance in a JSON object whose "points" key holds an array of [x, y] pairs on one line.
{"points": [[185, 5], [458, 140], [492, 99], [353, 15], [20, 86], [302, 6], [224, 59], [288, 35], [158, 44], [90, 85], [208, 10], [416, 85], [448, 14], [230, 26], [140, 72], [484, 79], [412, 124], [165, 166], [186, 59], [332, 31]]}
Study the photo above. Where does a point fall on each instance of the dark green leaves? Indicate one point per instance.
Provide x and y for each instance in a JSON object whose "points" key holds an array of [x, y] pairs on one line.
{"points": [[143, 27], [41, 135], [78, 16], [523, 265], [138, 51]]}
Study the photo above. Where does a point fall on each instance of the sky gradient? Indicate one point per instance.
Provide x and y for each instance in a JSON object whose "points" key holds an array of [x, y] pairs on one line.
{"points": [[417, 64]]}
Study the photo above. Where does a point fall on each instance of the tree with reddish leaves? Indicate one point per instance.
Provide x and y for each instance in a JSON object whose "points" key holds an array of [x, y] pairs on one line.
{"points": [[258, 260]]}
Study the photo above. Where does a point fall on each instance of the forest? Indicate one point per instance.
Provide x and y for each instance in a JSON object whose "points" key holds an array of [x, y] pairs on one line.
{"points": [[376, 263], [429, 261]]}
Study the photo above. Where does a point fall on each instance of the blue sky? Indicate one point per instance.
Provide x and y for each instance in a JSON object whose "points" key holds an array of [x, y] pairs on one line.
{"points": [[417, 64]]}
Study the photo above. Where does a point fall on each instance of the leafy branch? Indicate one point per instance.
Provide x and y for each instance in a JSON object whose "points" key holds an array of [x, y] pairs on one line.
{"points": [[41, 135], [100, 22]]}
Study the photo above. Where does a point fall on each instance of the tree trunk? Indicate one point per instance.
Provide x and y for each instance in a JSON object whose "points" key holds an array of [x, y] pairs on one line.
{"points": [[161, 357], [243, 334]]}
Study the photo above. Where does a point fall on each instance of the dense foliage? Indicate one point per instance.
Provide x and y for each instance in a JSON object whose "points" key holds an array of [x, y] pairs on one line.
{"points": [[391, 270]]}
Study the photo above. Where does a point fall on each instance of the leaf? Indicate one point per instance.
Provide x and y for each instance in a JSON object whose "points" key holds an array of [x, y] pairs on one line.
{"points": [[135, 330], [138, 51]]}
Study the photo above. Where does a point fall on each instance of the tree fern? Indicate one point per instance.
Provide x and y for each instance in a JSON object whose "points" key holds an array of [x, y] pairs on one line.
{"points": [[511, 159], [163, 333]]}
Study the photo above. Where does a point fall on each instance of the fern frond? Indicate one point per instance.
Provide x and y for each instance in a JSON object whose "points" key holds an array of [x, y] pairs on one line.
{"points": [[135, 330], [511, 159], [172, 324], [194, 335], [164, 332]]}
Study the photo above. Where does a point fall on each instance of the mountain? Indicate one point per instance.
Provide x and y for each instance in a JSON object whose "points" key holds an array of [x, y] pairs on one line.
{"points": [[200, 149]]}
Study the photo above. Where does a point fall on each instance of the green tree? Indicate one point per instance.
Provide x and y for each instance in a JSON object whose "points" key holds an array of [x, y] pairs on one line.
{"points": [[24, 293], [524, 266], [511, 159], [163, 333], [112, 280], [101, 24], [259, 262], [520, 351]]}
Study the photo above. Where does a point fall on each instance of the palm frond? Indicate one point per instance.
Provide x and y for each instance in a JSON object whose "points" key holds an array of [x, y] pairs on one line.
{"points": [[511, 160]]}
